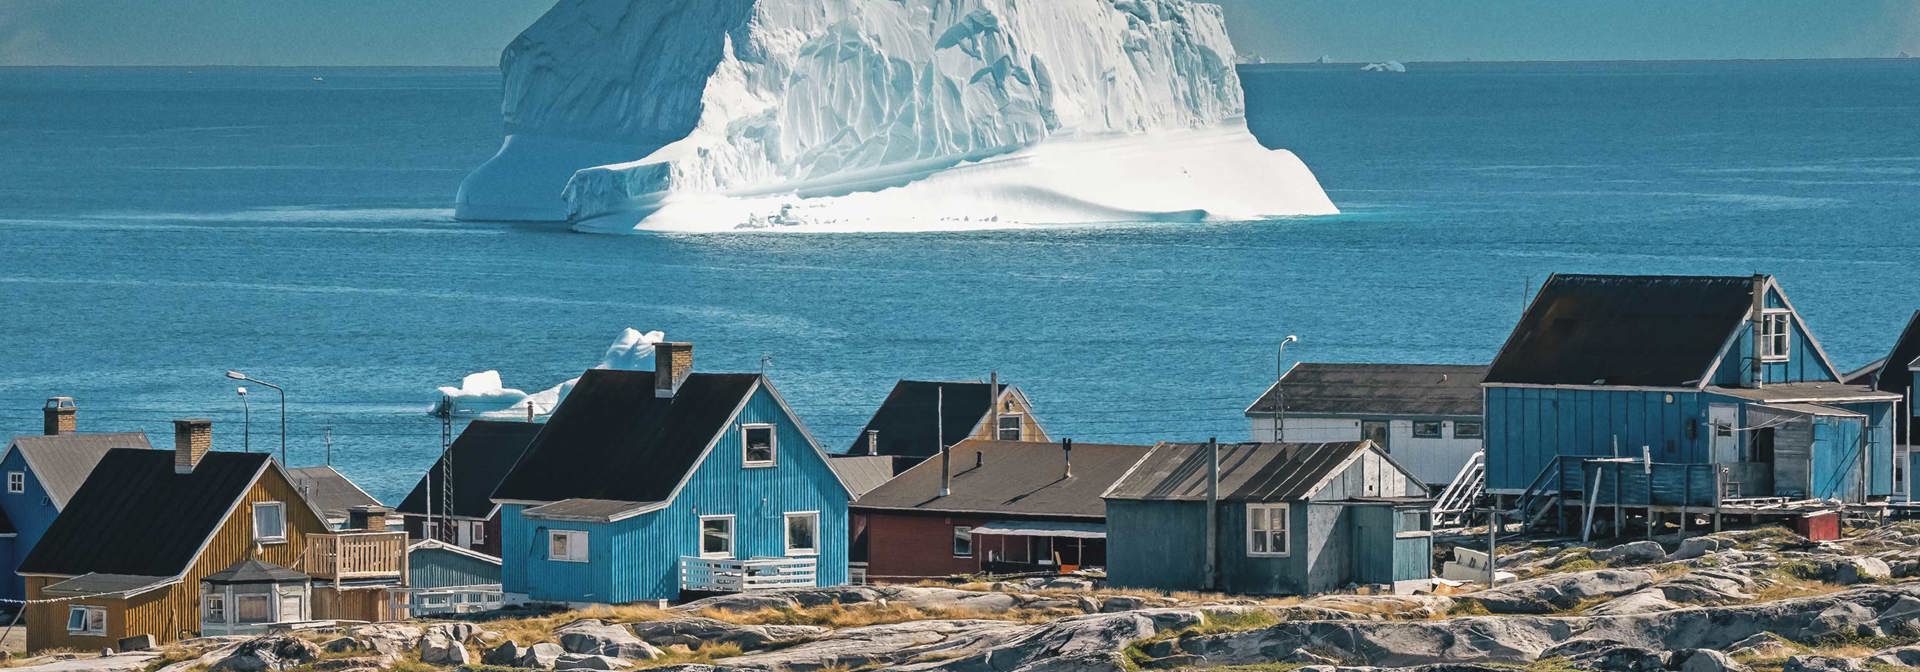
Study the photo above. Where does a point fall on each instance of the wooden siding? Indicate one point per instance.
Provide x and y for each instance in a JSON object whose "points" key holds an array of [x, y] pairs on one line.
{"points": [[358, 604], [31, 513], [440, 568], [916, 546], [1156, 545], [1879, 443], [171, 611], [638, 558], [1527, 427], [1029, 427], [1803, 363], [1413, 558]]}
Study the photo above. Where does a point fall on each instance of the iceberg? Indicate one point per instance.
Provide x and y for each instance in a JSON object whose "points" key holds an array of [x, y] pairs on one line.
{"points": [[705, 115], [1388, 66], [485, 394]]}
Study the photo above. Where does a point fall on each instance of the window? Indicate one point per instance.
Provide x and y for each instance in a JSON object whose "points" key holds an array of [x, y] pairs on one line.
{"points": [[803, 533], [1010, 428], [479, 533], [256, 608], [1267, 529], [87, 620], [213, 608], [1426, 429], [1466, 430], [1776, 335], [759, 445], [269, 522], [16, 482], [962, 541], [716, 536], [1413, 520], [567, 545]]}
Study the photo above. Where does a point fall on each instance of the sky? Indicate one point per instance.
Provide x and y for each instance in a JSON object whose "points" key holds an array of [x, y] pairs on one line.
{"points": [[472, 32]]}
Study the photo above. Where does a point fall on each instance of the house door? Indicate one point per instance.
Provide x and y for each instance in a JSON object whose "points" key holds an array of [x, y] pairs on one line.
{"points": [[1726, 442], [292, 609], [1375, 431]]}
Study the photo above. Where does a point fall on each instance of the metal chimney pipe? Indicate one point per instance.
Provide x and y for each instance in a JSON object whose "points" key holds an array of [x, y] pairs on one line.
{"points": [[1213, 513], [940, 430], [993, 404], [1066, 453], [873, 442]]}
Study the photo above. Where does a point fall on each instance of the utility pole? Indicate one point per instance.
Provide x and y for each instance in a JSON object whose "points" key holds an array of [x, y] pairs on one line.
{"points": [[1213, 514], [329, 441], [1279, 393]]}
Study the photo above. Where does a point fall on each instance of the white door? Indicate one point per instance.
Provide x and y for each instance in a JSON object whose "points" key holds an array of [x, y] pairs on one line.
{"points": [[1722, 419]]}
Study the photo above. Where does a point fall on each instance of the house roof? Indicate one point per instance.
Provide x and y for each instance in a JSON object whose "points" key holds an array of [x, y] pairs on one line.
{"points": [[588, 510], [862, 473], [1657, 331], [61, 462], [134, 515], [1807, 392], [908, 419], [1896, 371], [1813, 409], [1011, 478], [95, 584], [1249, 472], [612, 439], [329, 491], [252, 570], [436, 545], [482, 456], [1376, 389]]}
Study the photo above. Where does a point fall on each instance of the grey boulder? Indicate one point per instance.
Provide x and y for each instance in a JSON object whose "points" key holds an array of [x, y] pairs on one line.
{"points": [[1635, 553], [697, 632], [1561, 591], [268, 654], [596, 637]]}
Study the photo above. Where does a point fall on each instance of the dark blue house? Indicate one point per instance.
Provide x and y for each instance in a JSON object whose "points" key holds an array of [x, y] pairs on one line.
{"points": [[1678, 393], [644, 485], [42, 473]]}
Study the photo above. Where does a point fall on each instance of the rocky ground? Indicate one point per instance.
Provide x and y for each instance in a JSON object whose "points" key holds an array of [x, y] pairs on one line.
{"points": [[1754, 600]]}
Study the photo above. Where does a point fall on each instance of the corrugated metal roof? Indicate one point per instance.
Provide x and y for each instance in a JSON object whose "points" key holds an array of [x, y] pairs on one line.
{"points": [[1624, 330], [1042, 528], [255, 571], [329, 491], [106, 584], [863, 473], [136, 515], [1813, 409], [1804, 392], [600, 510], [1249, 472], [62, 462], [1010, 477], [1377, 389], [482, 456]]}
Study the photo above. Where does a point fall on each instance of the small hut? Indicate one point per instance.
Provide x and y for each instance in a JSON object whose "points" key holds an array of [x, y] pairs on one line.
{"points": [[245, 598]]}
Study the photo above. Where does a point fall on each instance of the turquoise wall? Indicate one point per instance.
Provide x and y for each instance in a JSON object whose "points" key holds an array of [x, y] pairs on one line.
{"points": [[441, 568], [639, 558], [1528, 426]]}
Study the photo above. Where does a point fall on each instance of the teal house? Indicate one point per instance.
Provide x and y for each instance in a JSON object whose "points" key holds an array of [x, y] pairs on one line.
{"points": [[1677, 394], [651, 485], [43, 471], [1269, 519], [444, 578]]}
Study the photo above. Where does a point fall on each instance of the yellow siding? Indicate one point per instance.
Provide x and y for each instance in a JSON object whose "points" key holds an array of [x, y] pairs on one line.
{"points": [[169, 612], [1013, 404]]}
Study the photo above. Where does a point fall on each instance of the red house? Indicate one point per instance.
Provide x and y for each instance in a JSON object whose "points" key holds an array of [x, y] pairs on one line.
{"points": [[993, 506]]}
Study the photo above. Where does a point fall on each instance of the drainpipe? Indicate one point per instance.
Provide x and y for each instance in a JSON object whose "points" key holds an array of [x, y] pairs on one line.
{"points": [[1213, 514]]}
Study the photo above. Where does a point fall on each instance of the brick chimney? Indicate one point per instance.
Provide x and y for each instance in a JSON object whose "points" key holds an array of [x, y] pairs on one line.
{"points": [[672, 362], [59, 415], [367, 517], [191, 441]]}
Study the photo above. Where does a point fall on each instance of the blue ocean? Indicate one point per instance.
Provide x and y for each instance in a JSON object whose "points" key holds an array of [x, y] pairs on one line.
{"points": [[161, 226]]}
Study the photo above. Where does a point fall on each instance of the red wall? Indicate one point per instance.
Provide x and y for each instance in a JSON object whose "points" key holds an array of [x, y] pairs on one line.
{"points": [[907, 547]]}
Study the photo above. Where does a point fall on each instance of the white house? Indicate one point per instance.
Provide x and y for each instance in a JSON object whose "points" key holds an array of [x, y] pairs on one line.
{"points": [[1428, 416]]}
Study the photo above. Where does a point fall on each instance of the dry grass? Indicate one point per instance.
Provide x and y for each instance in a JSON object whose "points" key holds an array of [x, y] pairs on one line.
{"points": [[535, 629], [705, 655], [864, 614], [36, 658]]}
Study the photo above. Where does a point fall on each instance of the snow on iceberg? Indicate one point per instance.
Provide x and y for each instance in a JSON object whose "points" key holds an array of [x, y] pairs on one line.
{"points": [[1388, 66], [698, 115], [485, 394]]}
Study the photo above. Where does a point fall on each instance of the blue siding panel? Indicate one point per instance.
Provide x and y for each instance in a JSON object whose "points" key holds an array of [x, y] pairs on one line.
{"points": [[1529, 422], [31, 513], [441, 568]]}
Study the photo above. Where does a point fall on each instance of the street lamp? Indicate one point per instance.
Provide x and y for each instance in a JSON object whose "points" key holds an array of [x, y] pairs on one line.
{"points": [[246, 422], [236, 375], [1280, 393]]}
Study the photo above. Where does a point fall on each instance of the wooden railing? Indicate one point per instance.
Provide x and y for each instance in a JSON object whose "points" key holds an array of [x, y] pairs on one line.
{"points": [[356, 555], [727, 575]]}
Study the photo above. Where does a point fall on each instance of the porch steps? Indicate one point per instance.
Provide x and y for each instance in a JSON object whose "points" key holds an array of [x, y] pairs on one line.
{"points": [[1455, 505]]}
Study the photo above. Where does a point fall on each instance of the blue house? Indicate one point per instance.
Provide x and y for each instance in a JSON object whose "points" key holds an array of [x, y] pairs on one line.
{"points": [[645, 485], [42, 474], [1897, 374], [1683, 394], [444, 578]]}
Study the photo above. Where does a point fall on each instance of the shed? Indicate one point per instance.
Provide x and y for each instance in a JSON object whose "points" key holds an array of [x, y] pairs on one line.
{"points": [[1287, 519], [245, 598], [1428, 416], [450, 579]]}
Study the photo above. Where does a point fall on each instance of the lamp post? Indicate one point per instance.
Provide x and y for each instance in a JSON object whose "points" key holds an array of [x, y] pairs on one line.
{"points": [[246, 420], [1280, 393], [236, 375]]}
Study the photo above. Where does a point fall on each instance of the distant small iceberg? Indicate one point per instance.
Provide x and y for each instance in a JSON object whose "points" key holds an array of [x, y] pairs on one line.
{"points": [[1323, 60], [1389, 66], [485, 394]]}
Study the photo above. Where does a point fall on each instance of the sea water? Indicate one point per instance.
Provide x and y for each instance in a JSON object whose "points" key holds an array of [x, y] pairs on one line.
{"points": [[161, 226]]}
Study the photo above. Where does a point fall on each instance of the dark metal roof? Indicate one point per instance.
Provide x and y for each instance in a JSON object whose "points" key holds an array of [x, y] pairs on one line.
{"points": [[482, 456], [863, 473], [908, 418], [1896, 372], [62, 462], [329, 491], [612, 439], [1662, 331], [255, 571], [1377, 389], [1012, 478], [1249, 472], [106, 584], [135, 515], [598, 510]]}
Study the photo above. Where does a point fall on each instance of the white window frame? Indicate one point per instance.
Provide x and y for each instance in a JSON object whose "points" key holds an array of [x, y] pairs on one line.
{"points": [[1479, 429], [87, 614], [957, 531], [213, 608], [255, 512], [773, 445], [733, 533], [1776, 329], [1439, 429], [786, 533], [16, 482], [479, 533], [1285, 534], [1019, 427], [576, 545]]}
